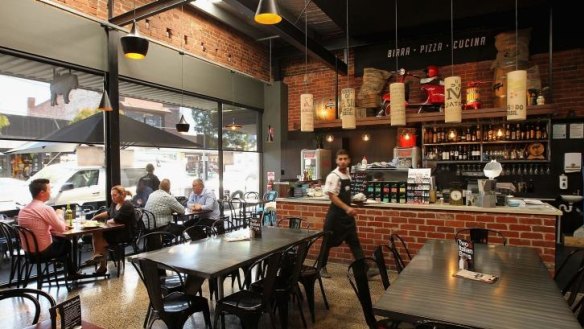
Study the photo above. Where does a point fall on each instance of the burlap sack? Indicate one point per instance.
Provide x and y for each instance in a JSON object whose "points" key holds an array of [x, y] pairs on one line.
{"points": [[373, 82], [500, 82], [508, 51]]}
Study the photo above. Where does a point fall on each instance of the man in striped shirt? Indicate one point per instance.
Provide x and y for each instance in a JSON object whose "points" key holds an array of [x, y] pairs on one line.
{"points": [[41, 220]]}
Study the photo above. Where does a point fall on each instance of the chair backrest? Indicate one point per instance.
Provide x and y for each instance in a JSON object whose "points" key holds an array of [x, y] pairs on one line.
{"points": [[151, 279], [237, 195], [357, 276], [272, 266], [560, 270], [481, 235], [293, 222], [156, 240], [237, 208], [196, 232], [29, 294], [396, 244], [12, 239], [28, 241], [251, 196], [298, 253], [380, 260], [573, 288], [220, 226], [323, 237], [270, 196], [149, 219], [433, 324]]}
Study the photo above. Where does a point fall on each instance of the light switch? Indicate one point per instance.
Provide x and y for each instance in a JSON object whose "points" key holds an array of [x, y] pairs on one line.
{"points": [[563, 182]]}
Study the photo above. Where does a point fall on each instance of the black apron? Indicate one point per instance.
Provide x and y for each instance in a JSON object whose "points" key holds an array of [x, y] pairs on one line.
{"points": [[337, 220]]}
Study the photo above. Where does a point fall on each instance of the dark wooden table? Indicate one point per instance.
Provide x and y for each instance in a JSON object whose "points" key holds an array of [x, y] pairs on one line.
{"points": [[189, 214], [75, 232], [212, 257], [523, 297]]}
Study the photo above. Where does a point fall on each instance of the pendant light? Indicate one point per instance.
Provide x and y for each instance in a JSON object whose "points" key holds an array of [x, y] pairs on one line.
{"points": [[452, 84], [267, 13], [330, 138], [397, 91], [233, 126], [133, 44], [348, 120], [182, 126], [105, 103], [306, 99], [516, 84]]}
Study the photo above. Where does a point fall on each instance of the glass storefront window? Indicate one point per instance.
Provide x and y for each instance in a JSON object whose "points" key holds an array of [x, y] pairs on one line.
{"points": [[240, 172], [240, 128]]}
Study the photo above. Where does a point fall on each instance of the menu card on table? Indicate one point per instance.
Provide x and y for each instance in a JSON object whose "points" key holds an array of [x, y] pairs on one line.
{"points": [[68, 314], [465, 254]]}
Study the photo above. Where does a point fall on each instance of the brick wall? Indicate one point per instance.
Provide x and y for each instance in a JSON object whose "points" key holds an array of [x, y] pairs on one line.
{"points": [[416, 226], [206, 37], [568, 84]]}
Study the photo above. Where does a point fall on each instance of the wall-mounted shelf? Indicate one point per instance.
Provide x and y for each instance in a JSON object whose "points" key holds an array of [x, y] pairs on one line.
{"points": [[414, 117]]}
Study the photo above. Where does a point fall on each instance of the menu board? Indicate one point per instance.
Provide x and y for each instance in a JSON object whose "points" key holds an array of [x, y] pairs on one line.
{"points": [[465, 254], [358, 182], [68, 314]]}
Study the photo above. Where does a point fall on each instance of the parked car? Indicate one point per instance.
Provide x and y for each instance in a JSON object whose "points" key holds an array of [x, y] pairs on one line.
{"points": [[69, 184]]}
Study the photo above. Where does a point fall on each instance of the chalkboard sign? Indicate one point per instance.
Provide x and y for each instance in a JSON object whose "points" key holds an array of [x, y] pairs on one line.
{"points": [[465, 254], [67, 315], [255, 227]]}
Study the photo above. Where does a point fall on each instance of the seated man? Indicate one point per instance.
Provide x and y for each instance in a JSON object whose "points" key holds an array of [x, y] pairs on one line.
{"points": [[41, 220], [203, 199], [162, 204]]}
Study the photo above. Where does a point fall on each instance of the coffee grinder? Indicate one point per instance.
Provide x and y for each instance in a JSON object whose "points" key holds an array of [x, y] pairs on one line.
{"points": [[487, 194]]}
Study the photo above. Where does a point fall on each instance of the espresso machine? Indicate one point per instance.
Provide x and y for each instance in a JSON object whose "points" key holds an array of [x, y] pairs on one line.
{"points": [[487, 187]]}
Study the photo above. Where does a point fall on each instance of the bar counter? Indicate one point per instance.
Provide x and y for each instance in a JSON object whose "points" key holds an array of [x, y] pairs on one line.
{"points": [[416, 223]]}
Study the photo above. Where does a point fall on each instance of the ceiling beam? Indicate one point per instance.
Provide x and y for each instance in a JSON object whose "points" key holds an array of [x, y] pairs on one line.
{"points": [[294, 36], [146, 11]]}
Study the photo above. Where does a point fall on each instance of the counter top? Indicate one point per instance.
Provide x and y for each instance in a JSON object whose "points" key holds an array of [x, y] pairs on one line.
{"points": [[546, 209]]}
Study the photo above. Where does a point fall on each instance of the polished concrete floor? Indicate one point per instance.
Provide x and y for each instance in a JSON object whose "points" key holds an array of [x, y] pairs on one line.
{"points": [[122, 303]]}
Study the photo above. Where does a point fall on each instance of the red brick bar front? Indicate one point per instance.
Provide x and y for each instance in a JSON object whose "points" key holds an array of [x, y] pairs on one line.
{"points": [[534, 228]]}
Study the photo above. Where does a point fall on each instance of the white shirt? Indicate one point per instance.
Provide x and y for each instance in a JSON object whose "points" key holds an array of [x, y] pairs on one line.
{"points": [[162, 205], [333, 181]]}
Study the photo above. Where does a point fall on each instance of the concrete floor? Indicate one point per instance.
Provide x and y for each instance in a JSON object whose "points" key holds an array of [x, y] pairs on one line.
{"points": [[122, 303]]}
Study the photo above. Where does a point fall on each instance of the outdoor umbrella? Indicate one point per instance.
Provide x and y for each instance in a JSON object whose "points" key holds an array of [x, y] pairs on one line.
{"points": [[40, 147], [90, 131]]}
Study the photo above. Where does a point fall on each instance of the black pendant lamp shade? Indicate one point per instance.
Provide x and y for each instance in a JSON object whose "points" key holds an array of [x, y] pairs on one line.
{"points": [[267, 13], [182, 126], [134, 46], [105, 104]]}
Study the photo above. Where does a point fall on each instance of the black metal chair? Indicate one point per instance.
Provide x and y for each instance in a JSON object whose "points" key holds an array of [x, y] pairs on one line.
{"points": [[22, 294], [481, 235], [357, 276], [238, 215], [42, 264], [380, 260], [175, 308], [309, 274], [16, 253], [154, 241], [249, 305], [196, 232], [287, 281], [237, 195], [394, 240], [434, 324], [149, 220], [117, 252], [570, 262]]}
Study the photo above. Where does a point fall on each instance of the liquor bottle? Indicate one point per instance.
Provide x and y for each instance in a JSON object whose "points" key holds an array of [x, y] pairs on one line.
{"points": [[544, 134], [513, 133], [468, 138], [507, 132], [434, 136], [69, 216], [531, 132], [490, 133], [523, 132], [478, 133], [537, 132]]}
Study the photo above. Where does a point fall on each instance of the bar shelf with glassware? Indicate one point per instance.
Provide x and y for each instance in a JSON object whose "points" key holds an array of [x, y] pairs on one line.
{"points": [[504, 141]]}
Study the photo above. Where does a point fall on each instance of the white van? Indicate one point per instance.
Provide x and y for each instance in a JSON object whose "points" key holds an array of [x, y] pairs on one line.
{"points": [[81, 184]]}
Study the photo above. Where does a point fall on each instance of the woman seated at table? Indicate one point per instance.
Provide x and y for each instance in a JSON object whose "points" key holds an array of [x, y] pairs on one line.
{"points": [[120, 212]]}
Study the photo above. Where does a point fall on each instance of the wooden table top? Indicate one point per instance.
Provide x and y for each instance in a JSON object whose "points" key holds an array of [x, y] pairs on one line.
{"points": [[524, 296], [79, 230], [214, 256]]}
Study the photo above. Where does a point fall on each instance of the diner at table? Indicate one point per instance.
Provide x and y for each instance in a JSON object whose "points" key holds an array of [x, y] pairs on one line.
{"points": [[121, 211], [164, 206], [202, 199]]}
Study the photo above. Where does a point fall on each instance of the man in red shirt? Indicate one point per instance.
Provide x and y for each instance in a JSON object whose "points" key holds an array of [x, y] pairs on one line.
{"points": [[41, 220]]}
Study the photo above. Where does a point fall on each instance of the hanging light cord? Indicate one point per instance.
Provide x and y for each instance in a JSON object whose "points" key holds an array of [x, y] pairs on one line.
{"points": [[305, 47], [348, 52], [452, 37], [396, 57], [182, 70], [302, 12], [516, 37], [270, 61]]}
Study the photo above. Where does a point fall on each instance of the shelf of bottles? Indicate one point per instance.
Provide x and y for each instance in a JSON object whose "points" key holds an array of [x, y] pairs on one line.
{"points": [[527, 141]]}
